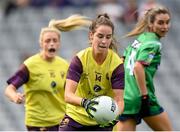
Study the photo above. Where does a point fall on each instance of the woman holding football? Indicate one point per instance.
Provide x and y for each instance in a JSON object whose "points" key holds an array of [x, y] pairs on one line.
{"points": [[94, 71]]}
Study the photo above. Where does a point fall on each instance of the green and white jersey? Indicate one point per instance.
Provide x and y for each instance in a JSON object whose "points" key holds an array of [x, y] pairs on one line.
{"points": [[45, 105], [147, 50]]}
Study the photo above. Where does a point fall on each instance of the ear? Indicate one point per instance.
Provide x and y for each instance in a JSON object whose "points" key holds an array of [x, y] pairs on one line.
{"points": [[150, 27], [90, 36]]}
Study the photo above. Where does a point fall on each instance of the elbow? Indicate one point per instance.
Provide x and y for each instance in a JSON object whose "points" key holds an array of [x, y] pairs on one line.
{"points": [[67, 98], [6, 92], [10, 91]]}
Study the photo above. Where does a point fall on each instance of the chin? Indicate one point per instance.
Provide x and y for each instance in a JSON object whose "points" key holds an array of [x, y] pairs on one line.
{"points": [[50, 56], [163, 35]]}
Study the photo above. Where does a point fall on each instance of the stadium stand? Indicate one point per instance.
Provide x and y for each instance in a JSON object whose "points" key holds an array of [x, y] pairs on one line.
{"points": [[19, 38]]}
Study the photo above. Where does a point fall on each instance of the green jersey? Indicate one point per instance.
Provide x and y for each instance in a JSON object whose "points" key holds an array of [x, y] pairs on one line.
{"points": [[147, 50]]}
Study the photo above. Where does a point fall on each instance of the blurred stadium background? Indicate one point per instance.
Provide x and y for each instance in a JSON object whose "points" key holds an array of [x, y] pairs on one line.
{"points": [[19, 33]]}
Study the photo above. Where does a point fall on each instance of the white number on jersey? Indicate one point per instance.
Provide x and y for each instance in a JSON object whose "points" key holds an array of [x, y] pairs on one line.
{"points": [[130, 63], [136, 44]]}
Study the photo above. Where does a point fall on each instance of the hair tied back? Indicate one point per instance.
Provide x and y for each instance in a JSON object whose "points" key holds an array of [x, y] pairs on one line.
{"points": [[52, 23], [104, 15]]}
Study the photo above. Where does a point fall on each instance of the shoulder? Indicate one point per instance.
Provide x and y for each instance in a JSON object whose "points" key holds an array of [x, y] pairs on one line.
{"points": [[62, 60], [115, 59], [148, 36], [152, 45], [149, 39], [115, 56], [31, 60], [84, 52]]}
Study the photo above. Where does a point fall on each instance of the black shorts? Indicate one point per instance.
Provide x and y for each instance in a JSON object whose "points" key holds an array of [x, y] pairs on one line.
{"points": [[138, 117]]}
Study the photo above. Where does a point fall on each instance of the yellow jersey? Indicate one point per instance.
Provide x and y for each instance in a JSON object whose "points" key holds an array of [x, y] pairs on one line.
{"points": [[45, 105], [95, 80]]}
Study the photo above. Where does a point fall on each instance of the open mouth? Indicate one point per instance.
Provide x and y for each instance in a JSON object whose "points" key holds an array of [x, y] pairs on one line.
{"points": [[100, 46], [52, 50]]}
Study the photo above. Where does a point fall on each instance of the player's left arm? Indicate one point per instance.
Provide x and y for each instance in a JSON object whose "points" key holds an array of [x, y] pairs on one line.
{"points": [[118, 97], [117, 81]]}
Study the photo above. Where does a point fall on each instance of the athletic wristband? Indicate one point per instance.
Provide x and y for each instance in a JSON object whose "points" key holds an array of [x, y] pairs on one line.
{"points": [[83, 102]]}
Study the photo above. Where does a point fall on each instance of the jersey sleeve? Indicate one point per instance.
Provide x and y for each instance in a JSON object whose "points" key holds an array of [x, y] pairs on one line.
{"points": [[20, 77], [75, 70], [117, 78], [146, 52]]}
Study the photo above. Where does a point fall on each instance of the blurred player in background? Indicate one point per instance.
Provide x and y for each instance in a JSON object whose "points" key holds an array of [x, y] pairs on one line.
{"points": [[43, 76], [94, 71], [142, 59]]}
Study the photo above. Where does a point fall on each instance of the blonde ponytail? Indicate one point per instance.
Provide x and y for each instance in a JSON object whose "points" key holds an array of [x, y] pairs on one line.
{"points": [[71, 23], [140, 27]]}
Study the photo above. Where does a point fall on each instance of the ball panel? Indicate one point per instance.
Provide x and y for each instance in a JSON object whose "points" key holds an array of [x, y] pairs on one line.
{"points": [[106, 110]]}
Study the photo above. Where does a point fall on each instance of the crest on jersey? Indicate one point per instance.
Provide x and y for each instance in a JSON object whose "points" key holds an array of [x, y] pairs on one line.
{"points": [[150, 57], [97, 88], [53, 84], [52, 73]]}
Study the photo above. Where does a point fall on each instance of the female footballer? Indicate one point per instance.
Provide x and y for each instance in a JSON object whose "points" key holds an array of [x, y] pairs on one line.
{"points": [[94, 71], [43, 78], [142, 59]]}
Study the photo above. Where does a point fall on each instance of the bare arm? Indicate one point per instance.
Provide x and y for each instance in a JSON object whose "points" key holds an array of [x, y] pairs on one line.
{"points": [[117, 81], [140, 78], [14, 82], [13, 95], [118, 97], [70, 90], [73, 77]]}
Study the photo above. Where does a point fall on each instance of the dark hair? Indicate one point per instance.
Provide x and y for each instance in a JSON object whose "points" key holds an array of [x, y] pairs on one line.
{"points": [[104, 19]]}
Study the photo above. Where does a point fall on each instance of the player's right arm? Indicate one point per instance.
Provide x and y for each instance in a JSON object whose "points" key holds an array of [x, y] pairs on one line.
{"points": [[140, 77], [73, 76], [70, 90], [13, 95], [14, 82]]}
